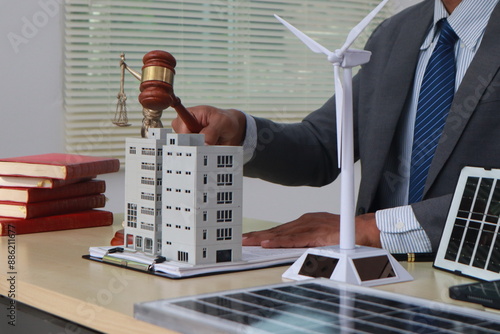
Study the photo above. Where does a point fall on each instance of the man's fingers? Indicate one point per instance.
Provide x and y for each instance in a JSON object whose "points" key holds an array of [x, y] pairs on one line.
{"points": [[212, 137], [287, 241], [255, 238]]}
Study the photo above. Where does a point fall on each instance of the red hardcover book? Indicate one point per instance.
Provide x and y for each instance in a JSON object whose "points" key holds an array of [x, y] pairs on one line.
{"points": [[50, 208], [90, 218], [58, 166], [37, 182], [32, 195]]}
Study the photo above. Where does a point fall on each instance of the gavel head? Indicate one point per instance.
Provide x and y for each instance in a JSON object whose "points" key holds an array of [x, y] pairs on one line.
{"points": [[157, 80]]}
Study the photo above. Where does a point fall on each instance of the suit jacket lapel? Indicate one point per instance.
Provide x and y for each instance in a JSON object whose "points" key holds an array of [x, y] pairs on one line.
{"points": [[473, 87]]}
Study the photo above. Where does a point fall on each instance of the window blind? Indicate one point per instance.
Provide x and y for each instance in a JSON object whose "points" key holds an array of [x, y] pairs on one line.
{"points": [[230, 54]]}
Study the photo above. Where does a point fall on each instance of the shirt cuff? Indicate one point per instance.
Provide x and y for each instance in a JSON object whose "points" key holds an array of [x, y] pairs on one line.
{"points": [[400, 231], [250, 142]]}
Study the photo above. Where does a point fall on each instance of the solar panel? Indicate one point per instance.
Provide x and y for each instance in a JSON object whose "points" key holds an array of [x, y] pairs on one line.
{"points": [[315, 306], [470, 244]]}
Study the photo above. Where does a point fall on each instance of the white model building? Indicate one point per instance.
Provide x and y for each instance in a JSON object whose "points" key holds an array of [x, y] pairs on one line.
{"points": [[191, 193], [143, 191]]}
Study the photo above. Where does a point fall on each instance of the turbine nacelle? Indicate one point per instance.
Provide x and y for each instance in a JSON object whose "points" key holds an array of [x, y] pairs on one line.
{"points": [[350, 57]]}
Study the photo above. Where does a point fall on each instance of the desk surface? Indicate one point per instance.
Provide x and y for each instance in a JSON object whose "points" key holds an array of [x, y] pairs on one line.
{"points": [[52, 276]]}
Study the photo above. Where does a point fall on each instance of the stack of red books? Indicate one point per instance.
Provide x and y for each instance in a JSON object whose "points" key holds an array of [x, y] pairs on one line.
{"points": [[55, 191]]}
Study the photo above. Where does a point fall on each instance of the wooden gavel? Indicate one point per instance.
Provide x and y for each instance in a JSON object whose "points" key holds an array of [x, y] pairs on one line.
{"points": [[156, 87]]}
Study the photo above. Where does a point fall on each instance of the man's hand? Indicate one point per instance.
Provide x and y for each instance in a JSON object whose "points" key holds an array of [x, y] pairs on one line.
{"points": [[314, 230], [220, 126]]}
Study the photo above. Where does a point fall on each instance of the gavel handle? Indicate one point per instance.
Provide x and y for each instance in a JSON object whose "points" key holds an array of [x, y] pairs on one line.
{"points": [[188, 118]]}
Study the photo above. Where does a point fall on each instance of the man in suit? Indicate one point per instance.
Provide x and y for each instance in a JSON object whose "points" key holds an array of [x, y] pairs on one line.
{"points": [[385, 105]]}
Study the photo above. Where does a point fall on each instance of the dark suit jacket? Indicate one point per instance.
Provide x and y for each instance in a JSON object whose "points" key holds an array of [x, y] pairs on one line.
{"points": [[305, 153]]}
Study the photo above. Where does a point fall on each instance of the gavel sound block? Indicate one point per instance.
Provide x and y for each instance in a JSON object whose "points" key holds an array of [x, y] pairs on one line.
{"points": [[156, 87]]}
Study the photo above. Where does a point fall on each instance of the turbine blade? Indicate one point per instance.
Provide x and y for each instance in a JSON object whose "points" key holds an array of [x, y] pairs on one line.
{"points": [[311, 44], [339, 106], [356, 31]]}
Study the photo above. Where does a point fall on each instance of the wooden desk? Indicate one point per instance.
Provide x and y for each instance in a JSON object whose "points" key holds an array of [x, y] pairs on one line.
{"points": [[52, 276]]}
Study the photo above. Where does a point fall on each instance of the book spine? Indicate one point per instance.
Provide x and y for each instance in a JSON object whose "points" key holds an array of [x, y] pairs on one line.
{"points": [[92, 218], [56, 183], [68, 191], [57, 207], [92, 168]]}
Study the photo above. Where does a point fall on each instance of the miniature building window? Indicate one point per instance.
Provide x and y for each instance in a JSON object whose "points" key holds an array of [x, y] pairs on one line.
{"points": [[177, 226], [187, 228], [168, 242], [178, 190], [148, 151], [132, 150], [188, 173], [147, 166], [172, 141], [179, 154], [158, 197], [147, 211], [204, 197], [187, 209], [169, 207], [169, 189], [224, 233], [188, 154], [147, 226], [178, 208], [224, 161], [224, 255], [224, 179], [160, 152], [169, 153], [204, 216], [147, 180], [148, 245], [178, 172], [224, 216], [225, 197], [205, 178], [159, 182], [131, 215], [204, 253], [147, 196], [204, 234], [159, 167], [138, 242], [182, 256], [187, 191], [205, 160], [169, 225], [169, 171]]}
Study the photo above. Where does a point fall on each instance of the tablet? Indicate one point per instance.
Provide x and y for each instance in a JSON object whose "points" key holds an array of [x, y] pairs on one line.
{"points": [[470, 243]]}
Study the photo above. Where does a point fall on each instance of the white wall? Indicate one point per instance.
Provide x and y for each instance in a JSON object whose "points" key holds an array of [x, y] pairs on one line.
{"points": [[32, 118]]}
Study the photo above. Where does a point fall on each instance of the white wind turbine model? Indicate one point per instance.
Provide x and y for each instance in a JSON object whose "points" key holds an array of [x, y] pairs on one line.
{"points": [[346, 262]]}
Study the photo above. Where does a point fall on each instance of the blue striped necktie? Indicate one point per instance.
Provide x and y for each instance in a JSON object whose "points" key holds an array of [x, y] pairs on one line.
{"points": [[434, 101]]}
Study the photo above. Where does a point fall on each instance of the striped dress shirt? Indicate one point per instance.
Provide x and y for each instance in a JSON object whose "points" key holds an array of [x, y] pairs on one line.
{"points": [[400, 230]]}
